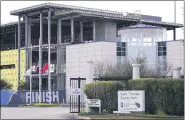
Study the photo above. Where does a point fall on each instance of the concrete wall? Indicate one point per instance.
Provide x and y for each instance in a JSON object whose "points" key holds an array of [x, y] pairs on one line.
{"points": [[77, 56], [175, 54], [106, 30]]}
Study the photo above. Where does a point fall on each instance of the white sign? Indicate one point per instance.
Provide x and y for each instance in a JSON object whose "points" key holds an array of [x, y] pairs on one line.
{"points": [[93, 102], [131, 101], [76, 91]]}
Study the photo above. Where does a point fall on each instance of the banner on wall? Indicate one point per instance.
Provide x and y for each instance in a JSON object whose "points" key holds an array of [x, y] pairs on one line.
{"points": [[12, 97]]}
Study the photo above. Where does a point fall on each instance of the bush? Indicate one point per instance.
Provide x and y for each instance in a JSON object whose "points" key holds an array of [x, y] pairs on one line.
{"points": [[106, 91], [4, 85], [161, 95]]}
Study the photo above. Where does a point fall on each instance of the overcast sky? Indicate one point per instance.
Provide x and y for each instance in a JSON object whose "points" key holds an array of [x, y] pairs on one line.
{"points": [[164, 9]]}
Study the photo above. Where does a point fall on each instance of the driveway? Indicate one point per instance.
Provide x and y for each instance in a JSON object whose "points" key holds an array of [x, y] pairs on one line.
{"points": [[36, 113]]}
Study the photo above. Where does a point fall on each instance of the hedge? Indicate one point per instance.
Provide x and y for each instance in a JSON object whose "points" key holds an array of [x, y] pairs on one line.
{"points": [[106, 91], [161, 95]]}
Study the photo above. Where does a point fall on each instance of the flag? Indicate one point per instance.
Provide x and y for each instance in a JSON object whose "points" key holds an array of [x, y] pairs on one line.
{"points": [[45, 68], [27, 73]]}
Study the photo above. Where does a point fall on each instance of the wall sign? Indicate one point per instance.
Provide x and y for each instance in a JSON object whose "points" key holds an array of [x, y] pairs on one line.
{"points": [[131, 101], [76, 91]]}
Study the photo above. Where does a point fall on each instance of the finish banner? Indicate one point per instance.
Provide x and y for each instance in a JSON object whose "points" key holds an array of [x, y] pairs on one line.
{"points": [[13, 97]]}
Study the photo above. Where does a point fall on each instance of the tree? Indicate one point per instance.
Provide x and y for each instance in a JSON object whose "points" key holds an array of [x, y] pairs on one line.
{"points": [[123, 70], [5, 85]]}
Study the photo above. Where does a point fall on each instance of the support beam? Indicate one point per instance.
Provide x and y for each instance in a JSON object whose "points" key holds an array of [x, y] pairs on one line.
{"points": [[15, 37], [68, 17], [59, 54], [26, 41], [72, 30], [94, 30], [40, 56], [49, 52], [81, 32], [19, 39], [59, 30], [174, 34]]}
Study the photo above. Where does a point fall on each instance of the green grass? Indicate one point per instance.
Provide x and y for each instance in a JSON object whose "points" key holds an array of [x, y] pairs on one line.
{"points": [[46, 105], [162, 116]]}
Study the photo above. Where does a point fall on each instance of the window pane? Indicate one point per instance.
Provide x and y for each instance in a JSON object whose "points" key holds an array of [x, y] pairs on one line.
{"points": [[123, 49], [164, 48], [122, 44], [159, 53], [118, 53], [122, 53], [119, 44], [163, 43], [164, 53], [160, 49], [118, 48], [159, 44]]}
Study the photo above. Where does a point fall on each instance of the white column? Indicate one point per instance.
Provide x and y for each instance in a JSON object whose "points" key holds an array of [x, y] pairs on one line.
{"points": [[72, 30], [136, 71], [176, 72], [89, 69], [94, 30], [81, 31]]}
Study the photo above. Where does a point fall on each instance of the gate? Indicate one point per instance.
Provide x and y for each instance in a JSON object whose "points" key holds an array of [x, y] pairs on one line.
{"points": [[76, 95]]}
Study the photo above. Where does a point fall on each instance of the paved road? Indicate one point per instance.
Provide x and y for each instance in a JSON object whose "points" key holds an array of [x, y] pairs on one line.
{"points": [[36, 113]]}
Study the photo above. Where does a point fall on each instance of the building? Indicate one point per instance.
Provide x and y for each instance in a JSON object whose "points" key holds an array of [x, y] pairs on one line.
{"points": [[67, 36]]}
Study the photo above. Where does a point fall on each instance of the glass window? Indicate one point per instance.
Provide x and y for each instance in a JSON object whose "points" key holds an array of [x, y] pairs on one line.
{"points": [[123, 49], [119, 44], [118, 48], [160, 48], [160, 54], [118, 53], [164, 48], [122, 53], [122, 44]]}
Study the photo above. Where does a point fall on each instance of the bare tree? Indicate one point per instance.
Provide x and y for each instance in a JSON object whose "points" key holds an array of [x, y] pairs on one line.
{"points": [[124, 69]]}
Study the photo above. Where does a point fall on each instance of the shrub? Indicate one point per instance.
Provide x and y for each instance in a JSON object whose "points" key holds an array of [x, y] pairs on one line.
{"points": [[106, 91], [166, 95], [4, 85]]}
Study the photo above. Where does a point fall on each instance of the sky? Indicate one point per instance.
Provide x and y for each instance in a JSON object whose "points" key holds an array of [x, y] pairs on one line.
{"points": [[164, 9]]}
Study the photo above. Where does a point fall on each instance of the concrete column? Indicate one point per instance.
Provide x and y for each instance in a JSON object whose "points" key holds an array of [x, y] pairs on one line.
{"points": [[136, 71], [72, 30], [89, 69], [15, 37], [19, 39], [59, 54], [29, 44], [40, 55], [81, 31], [49, 51], [176, 72], [94, 30], [174, 34], [26, 41]]}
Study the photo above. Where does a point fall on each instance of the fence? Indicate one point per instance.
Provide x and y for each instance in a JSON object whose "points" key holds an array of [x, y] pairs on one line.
{"points": [[15, 98]]}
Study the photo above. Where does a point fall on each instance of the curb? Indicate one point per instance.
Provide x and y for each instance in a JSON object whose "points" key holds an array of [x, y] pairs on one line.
{"points": [[80, 117]]}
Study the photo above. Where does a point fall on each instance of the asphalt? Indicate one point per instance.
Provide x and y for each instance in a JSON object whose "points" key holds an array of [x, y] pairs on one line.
{"points": [[37, 113]]}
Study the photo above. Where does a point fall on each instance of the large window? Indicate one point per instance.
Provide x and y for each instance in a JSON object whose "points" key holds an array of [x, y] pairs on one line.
{"points": [[161, 48], [121, 49]]}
